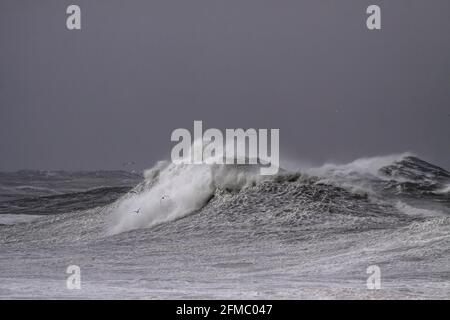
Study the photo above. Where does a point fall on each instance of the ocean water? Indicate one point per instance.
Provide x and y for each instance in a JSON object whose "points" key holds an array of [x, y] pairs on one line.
{"points": [[225, 232]]}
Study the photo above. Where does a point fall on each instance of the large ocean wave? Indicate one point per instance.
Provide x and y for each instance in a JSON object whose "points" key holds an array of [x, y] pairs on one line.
{"points": [[315, 228]]}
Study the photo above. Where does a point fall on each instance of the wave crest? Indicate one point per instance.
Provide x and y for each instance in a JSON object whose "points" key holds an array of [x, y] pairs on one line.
{"points": [[171, 191]]}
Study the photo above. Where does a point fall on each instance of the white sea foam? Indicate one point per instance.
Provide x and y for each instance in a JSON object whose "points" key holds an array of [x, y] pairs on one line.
{"points": [[369, 166], [444, 190], [287, 234], [172, 191], [11, 219], [414, 211]]}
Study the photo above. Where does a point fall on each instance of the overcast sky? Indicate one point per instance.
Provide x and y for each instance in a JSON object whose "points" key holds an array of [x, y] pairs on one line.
{"points": [[114, 91]]}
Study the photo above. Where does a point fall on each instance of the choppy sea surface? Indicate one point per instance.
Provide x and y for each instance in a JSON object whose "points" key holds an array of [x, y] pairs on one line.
{"points": [[223, 232]]}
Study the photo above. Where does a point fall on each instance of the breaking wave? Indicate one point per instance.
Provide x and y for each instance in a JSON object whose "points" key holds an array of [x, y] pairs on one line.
{"points": [[172, 191], [170, 232]]}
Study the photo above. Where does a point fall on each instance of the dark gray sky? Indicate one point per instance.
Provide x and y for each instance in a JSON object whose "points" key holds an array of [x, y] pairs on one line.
{"points": [[115, 90]]}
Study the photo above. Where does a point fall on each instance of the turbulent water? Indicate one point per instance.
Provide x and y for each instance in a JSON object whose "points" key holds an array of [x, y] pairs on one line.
{"points": [[197, 231]]}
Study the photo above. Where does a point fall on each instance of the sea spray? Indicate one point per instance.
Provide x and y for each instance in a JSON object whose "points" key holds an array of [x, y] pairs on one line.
{"points": [[172, 191]]}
